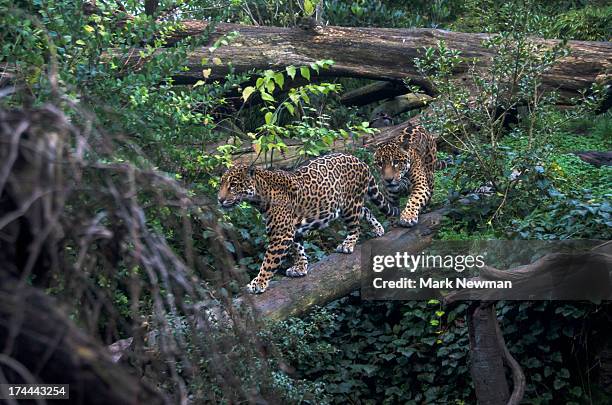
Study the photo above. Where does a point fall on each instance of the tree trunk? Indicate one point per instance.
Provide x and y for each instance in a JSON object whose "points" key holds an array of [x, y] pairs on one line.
{"points": [[486, 356], [373, 53]]}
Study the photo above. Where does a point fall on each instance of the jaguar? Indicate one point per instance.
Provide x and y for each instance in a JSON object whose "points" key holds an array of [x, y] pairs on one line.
{"points": [[307, 198], [406, 164]]}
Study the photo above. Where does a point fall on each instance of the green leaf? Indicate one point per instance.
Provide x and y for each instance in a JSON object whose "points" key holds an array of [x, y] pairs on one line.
{"points": [[305, 72], [269, 117], [270, 86], [290, 108], [308, 7], [279, 78], [291, 71], [246, 93], [265, 96]]}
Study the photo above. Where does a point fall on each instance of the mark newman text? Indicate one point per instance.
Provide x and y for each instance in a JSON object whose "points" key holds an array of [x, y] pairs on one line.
{"points": [[447, 283]]}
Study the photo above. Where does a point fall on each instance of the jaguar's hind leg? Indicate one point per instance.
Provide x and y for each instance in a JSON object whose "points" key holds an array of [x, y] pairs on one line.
{"points": [[351, 219], [300, 265]]}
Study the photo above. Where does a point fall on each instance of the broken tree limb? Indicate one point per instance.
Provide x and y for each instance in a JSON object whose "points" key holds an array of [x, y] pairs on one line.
{"points": [[337, 274], [401, 104], [373, 53], [561, 276], [373, 92]]}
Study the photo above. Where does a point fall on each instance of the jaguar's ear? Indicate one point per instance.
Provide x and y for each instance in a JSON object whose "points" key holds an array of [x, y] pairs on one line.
{"points": [[405, 143], [251, 170]]}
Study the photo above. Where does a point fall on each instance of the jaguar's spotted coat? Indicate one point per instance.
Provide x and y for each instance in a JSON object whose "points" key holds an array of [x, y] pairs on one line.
{"points": [[406, 165], [308, 198]]}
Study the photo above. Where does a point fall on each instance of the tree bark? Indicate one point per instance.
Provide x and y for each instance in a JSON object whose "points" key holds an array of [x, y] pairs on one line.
{"points": [[150, 7], [596, 158], [373, 53]]}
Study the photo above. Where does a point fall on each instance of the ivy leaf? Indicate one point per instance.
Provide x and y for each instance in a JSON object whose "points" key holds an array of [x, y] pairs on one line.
{"points": [[217, 61], [291, 71], [206, 73], [305, 72], [199, 83], [246, 93]]}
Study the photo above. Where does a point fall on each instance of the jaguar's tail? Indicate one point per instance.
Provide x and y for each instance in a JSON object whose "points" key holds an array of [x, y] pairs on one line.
{"points": [[380, 201]]}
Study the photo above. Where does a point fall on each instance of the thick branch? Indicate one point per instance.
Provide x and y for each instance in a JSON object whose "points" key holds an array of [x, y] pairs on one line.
{"points": [[373, 92]]}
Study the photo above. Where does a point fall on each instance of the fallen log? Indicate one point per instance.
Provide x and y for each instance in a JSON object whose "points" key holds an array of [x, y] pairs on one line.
{"points": [[596, 158], [357, 53]]}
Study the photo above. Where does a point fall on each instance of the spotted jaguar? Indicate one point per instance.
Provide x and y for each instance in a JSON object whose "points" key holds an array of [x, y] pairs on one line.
{"points": [[406, 164], [295, 202]]}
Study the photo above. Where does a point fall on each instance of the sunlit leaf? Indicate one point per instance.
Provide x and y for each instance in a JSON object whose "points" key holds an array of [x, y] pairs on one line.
{"points": [[246, 93], [291, 71]]}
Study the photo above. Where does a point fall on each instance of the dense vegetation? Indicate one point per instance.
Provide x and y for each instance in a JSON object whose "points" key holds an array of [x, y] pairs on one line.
{"points": [[351, 350]]}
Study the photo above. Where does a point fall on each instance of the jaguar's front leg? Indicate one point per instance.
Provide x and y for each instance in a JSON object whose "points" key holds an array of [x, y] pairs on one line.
{"points": [[419, 197], [280, 234], [275, 254]]}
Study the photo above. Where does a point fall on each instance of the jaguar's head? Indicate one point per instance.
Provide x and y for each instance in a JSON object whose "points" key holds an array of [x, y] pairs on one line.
{"points": [[392, 161], [237, 184]]}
